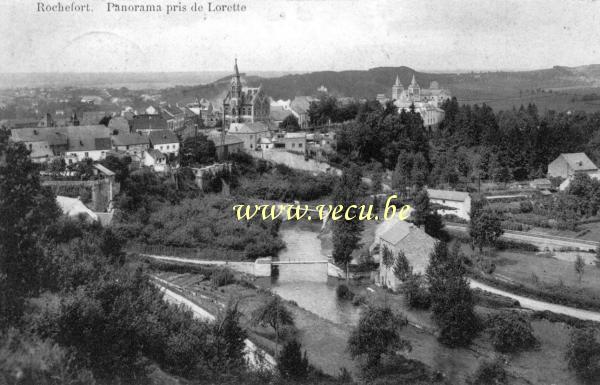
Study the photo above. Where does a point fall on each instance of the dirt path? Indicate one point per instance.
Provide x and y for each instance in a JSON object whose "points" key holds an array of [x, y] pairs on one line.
{"points": [[533, 304]]}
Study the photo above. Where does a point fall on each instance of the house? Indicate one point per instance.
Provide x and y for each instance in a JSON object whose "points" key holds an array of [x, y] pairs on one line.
{"points": [[401, 236], [156, 160], [265, 143], [250, 133], [164, 141], [299, 107], [225, 145], [567, 165], [42, 144], [278, 114], [75, 143], [454, 202], [133, 144], [174, 116], [291, 141], [91, 142], [146, 123]]}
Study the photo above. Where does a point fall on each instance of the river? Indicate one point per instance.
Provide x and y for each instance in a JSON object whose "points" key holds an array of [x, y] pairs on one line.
{"points": [[308, 285]]}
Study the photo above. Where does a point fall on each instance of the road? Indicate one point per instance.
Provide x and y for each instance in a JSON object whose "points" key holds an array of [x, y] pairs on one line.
{"points": [[257, 358], [538, 239], [533, 304]]}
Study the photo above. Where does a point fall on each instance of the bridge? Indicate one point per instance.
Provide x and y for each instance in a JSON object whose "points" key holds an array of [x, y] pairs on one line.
{"points": [[312, 262]]}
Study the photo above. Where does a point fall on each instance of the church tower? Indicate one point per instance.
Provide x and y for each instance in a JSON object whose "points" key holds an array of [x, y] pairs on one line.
{"points": [[397, 89], [235, 92], [414, 91]]}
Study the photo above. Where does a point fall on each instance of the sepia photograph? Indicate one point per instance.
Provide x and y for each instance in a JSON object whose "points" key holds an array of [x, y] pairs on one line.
{"points": [[299, 192]]}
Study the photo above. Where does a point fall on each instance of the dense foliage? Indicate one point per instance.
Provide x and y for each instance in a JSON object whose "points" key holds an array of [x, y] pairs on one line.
{"points": [[377, 334], [583, 354], [452, 302], [511, 332]]}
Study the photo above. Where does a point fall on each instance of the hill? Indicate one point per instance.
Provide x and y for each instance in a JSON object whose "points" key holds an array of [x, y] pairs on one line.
{"points": [[553, 88]]}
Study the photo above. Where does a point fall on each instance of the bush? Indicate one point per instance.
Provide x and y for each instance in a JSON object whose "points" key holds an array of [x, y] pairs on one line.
{"points": [[344, 292], [222, 278], [359, 299], [526, 207], [291, 363], [583, 354], [511, 332], [490, 373]]}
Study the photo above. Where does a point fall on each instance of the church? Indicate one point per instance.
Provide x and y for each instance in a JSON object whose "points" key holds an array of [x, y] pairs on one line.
{"points": [[427, 101], [245, 104]]}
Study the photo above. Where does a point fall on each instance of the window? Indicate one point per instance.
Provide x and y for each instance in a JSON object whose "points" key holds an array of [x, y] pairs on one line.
{"points": [[293, 145], [300, 145], [87, 154], [251, 146], [127, 147]]}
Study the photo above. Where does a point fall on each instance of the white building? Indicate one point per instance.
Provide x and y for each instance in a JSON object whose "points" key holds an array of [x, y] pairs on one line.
{"points": [[156, 160], [164, 141], [455, 202]]}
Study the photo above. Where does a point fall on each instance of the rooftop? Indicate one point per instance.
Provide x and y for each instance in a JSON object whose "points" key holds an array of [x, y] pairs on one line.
{"points": [[579, 161], [162, 137], [448, 195]]}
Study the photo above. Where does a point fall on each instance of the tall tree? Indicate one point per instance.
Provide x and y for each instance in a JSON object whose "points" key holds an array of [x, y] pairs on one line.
{"points": [[346, 233], [26, 209], [377, 334], [451, 298]]}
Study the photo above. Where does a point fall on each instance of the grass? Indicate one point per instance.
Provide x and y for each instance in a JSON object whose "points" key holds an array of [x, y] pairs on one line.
{"points": [[544, 273]]}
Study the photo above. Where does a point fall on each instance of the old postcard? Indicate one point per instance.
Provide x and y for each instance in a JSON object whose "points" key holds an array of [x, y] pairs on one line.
{"points": [[322, 192]]}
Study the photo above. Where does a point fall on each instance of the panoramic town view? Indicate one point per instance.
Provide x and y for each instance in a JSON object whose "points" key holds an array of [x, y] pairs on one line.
{"points": [[403, 209]]}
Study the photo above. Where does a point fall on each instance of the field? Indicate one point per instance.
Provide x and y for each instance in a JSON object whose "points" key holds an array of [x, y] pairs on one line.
{"points": [[552, 273]]}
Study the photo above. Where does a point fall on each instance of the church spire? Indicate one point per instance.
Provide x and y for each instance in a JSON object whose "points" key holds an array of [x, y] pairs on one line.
{"points": [[235, 69], [414, 81]]}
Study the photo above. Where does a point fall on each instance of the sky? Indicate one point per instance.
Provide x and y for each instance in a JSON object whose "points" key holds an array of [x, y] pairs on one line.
{"points": [[302, 35]]}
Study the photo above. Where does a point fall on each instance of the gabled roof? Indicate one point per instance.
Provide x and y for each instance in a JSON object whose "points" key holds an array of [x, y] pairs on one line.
{"points": [[278, 113], [300, 104], [172, 110], [129, 139], [578, 161], [396, 232], [163, 137], [448, 195], [79, 138], [248, 128]]}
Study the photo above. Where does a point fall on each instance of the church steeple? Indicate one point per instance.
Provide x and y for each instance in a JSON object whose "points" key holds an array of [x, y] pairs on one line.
{"points": [[235, 69], [413, 82], [397, 89]]}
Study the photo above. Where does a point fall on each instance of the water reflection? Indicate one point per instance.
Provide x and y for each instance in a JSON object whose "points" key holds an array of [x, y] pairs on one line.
{"points": [[308, 284]]}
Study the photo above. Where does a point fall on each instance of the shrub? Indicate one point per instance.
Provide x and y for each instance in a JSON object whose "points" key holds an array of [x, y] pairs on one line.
{"points": [[490, 373], [291, 363], [511, 332], [526, 207], [583, 354], [343, 292], [359, 299], [222, 277]]}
